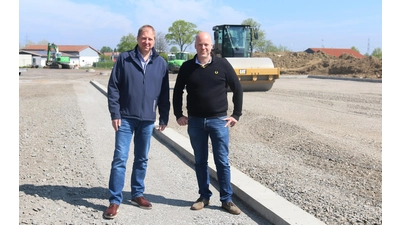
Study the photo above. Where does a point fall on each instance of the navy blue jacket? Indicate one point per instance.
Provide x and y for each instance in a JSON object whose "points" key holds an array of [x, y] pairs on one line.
{"points": [[134, 93]]}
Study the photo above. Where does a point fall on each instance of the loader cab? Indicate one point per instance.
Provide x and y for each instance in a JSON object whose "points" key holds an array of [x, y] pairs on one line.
{"points": [[182, 56], [233, 40], [171, 56]]}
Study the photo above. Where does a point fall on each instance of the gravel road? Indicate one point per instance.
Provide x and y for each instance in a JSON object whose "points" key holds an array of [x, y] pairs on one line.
{"points": [[315, 142]]}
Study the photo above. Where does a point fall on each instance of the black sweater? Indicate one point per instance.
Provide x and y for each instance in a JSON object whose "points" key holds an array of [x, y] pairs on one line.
{"points": [[207, 89]]}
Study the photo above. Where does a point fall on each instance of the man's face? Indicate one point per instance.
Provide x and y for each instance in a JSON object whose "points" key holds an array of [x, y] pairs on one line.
{"points": [[146, 39], [203, 45]]}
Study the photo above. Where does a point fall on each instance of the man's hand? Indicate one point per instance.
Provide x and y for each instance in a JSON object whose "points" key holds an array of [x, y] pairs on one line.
{"points": [[116, 124], [161, 127], [183, 120], [230, 121]]}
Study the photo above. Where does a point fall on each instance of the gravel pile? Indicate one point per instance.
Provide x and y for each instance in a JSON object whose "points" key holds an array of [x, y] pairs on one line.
{"points": [[316, 143]]}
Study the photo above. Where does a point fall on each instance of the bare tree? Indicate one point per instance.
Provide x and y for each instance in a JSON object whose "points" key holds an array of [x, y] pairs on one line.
{"points": [[29, 42], [161, 44], [43, 42]]}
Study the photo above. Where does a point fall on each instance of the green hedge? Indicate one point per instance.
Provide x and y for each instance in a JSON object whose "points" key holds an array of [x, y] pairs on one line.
{"points": [[104, 65], [109, 64]]}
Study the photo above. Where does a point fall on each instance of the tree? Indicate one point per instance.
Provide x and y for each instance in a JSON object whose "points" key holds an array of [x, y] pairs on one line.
{"points": [[266, 46], [161, 44], [104, 58], [164, 55], [377, 52], [181, 33], [174, 49], [105, 49], [261, 44], [43, 42], [355, 49], [270, 47], [29, 42], [283, 49], [127, 43]]}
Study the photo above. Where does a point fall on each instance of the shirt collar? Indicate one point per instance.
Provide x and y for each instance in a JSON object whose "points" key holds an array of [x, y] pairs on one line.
{"points": [[197, 61], [142, 58]]}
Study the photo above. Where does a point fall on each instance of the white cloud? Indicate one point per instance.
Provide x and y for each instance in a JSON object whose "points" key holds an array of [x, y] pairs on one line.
{"points": [[205, 13], [66, 22], [103, 22]]}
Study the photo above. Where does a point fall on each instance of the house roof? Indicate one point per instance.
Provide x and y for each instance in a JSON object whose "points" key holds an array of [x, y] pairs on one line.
{"points": [[111, 53], [34, 53], [44, 53], [61, 48], [337, 51]]}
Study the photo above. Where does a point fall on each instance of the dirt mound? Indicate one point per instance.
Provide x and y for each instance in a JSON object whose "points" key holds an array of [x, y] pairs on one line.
{"points": [[319, 63]]}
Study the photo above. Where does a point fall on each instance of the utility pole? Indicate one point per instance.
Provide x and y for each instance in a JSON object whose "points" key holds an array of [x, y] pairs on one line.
{"points": [[368, 47], [322, 41]]}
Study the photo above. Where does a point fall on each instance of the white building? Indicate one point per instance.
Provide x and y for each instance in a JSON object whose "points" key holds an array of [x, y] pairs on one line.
{"points": [[80, 55]]}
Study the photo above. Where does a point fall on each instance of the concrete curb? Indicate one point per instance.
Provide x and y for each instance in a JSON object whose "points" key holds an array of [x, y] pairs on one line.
{"points": [[273, 207], [100, 87], [346, 78], [330, 77], [292, 76]]}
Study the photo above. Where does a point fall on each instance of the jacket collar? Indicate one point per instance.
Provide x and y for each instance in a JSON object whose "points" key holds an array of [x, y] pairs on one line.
{"points": [[153, 53]]}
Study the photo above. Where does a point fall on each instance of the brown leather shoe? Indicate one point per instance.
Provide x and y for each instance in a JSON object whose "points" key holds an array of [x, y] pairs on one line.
{"points": [[141, 202], [231, 208], [200, 203], [111, 211]]}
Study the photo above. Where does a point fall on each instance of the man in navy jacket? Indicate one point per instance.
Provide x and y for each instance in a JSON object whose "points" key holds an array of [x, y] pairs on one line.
{"points": [[138, 85]]}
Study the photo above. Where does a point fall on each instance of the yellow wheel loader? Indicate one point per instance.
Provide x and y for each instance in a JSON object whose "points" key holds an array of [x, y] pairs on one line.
{"points": [[234, 42]]}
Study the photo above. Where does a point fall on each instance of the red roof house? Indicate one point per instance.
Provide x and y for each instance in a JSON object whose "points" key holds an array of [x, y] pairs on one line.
{"points": [[336, 51]]}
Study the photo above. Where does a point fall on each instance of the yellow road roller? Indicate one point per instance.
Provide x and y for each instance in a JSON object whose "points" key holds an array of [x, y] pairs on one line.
{"points": [[234, 42]]}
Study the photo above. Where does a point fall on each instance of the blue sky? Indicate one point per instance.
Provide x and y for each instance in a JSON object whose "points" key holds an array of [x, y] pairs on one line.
{"points": [[297, 25]]}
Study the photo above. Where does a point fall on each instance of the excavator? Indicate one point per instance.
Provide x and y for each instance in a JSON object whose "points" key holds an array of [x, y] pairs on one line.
{"points": [[235, 44], [56, 60]]}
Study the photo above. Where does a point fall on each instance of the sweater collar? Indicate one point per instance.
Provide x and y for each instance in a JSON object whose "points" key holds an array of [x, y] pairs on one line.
{"points": [[197, 62]]}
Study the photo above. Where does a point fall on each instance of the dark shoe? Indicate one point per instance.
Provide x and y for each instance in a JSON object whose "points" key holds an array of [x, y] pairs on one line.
{"points": [[111, 211], [231, 208], [141, 202], [200, 203]]}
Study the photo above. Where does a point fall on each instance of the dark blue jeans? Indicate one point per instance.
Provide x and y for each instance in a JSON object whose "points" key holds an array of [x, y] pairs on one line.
{"points": [[142, 131], [199, 130]]}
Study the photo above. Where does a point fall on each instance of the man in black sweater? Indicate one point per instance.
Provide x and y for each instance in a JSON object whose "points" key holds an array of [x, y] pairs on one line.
{"points": [[207, 78]]}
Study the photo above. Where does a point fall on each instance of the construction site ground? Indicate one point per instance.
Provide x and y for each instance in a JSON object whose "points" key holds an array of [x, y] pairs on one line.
{"points": [[315, 142]]}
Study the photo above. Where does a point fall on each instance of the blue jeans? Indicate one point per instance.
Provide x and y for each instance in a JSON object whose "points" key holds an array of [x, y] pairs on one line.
{"points": [[199, 130], [142, 132]]}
